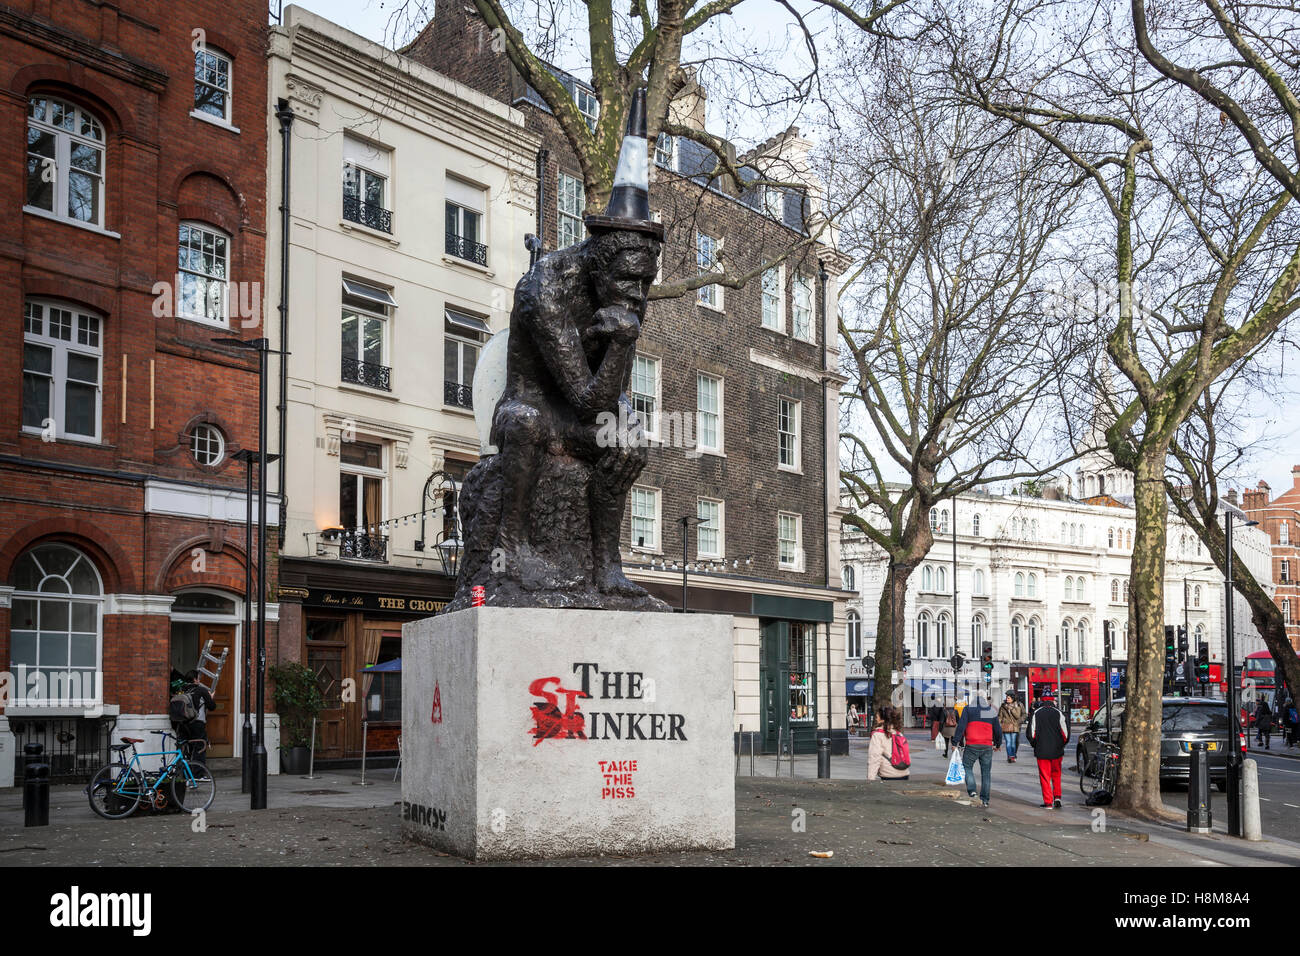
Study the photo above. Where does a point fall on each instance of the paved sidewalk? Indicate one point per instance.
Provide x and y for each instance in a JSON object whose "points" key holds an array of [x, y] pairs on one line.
{"points": [[331, 821]]}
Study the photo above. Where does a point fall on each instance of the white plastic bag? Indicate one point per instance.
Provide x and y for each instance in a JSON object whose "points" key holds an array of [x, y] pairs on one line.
{"points": [[956, 772], [938, 743]]}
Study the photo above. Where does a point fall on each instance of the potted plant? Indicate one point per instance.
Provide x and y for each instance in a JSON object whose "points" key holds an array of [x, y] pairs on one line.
{"points": [[298, 701]]}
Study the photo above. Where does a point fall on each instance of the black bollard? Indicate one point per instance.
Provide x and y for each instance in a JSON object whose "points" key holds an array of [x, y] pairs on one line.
{"points": [[36, 795], [823, 758], [1199, 818]]}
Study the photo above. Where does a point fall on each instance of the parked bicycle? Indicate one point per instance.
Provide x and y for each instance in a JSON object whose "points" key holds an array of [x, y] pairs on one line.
{"points": [[120, 787], [1100, 769]]}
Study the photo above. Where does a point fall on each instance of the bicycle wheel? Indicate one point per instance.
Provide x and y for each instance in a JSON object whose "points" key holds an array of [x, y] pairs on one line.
{"points": [[1090, 770], [115, 791], [193, 787]]}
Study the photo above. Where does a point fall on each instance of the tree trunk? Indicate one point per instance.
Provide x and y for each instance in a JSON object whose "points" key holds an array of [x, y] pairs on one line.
{"points": [[889, 630], [1139, 768]]}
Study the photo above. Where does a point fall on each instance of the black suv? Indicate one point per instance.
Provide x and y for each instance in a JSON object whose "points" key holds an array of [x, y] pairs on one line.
{"points": [[1184, 720]]}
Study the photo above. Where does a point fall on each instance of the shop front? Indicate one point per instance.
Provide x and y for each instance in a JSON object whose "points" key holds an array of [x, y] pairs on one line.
{"points": [[1082, 689], [351, 619]]}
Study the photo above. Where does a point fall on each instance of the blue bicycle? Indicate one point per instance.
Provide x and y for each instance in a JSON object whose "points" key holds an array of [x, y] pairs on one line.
{"points": [[118, 788]]}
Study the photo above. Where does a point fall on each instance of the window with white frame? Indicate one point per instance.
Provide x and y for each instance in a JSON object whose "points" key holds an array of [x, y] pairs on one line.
{"points": [[943, 520], [789, 539], [1286, 571], [774, 202], [1069, 588], [465, 336], [801, 308], [1081, 640], [978, 628], [923, 634], [1031, 632], [645, 391], [774, 299], [571, 200], [65, 160], [941, 579], [1114, 591], [975, 525], [848, 578], [853, 636], [934, 519], [941, 635], [363, 488], [588, 106], [645, 518], [1286, 610], [787, 418], [364, 326], [1080, 592], [927, 578], [212, 89], [62, 370], [708, 533], [1017, 626], [55, 627], [1283, 533], [1065, 639], [1020, 584], [207, 445], [706, 259], [666, 151], [1196, 596], [708, 421], [979, 585], [203, 261], [465, 235], [366, 169], [1033, 585]]}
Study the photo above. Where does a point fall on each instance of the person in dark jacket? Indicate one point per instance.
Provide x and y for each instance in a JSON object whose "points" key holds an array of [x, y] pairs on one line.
{"points": [[1263, 724], [1048, 733], [193, 731], [979, 734]]}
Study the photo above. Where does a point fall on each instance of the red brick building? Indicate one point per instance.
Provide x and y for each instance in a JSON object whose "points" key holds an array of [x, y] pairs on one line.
{"points": [[1280, 518], [132, 238]]}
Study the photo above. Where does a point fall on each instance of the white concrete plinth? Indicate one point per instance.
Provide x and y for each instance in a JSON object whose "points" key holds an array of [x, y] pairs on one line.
{"points": [[502, 758]]}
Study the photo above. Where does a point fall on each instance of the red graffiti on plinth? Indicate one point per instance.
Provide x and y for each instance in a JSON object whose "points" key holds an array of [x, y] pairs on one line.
{"points": [[437, 704], [549, 722]]}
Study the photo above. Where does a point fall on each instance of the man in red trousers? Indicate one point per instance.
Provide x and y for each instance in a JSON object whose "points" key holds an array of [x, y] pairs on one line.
{"points": [[1048, 733]]}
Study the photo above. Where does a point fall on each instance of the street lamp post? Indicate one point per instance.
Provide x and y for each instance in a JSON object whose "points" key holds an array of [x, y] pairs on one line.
{"points": [[257, 798], [1234, 718], [686, 521]]}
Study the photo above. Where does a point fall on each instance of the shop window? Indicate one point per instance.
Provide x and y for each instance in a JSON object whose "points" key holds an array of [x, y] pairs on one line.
{"points": [[384, 695], [803, 700]]}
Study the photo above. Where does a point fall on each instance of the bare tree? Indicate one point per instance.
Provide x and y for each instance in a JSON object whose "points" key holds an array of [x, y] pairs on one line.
{"points": [[1185, 131], [953, 359]]}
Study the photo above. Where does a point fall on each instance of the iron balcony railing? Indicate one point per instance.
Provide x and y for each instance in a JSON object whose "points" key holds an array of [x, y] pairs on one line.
{"points": [[367, 373], [461, 396], [369, 215], [466, 249], [367, 547]]}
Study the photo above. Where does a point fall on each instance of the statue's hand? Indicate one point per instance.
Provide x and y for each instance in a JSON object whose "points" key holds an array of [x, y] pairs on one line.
{"points": [[617, 324]]}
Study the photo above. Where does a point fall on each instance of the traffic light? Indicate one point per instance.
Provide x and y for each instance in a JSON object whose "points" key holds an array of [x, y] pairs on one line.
{"points": [[907, 658], [1171, 656], [1182, 641], [986, 657], [1203, 663]]}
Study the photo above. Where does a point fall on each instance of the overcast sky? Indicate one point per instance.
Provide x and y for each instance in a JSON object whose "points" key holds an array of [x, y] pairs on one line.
{"points": [[1275, 425]]}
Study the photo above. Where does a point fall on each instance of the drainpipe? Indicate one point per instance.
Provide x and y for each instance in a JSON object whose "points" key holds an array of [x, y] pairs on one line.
{"points": [[826, 527], [285, 116], [535, 250]]}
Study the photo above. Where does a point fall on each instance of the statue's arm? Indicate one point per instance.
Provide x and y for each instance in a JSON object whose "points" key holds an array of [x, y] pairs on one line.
{"points": [[561, 349]]}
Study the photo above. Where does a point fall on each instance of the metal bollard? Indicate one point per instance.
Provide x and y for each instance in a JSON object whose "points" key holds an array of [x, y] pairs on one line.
{"points": [[365, 727], [311, 766], [1250, 825], [1199, 818], [824, 758], [36, 795]]}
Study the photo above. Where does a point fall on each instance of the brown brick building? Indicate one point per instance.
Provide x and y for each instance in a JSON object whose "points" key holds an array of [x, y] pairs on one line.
{"points": [[1280, 519], [133, 237], [738, 386]]}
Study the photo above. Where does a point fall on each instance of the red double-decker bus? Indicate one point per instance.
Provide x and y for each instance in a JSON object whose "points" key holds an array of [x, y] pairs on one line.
{"points": [[1258, 671]]}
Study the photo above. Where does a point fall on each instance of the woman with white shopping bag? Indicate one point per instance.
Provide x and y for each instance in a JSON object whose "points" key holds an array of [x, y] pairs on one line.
{"points": [[888, 757]]}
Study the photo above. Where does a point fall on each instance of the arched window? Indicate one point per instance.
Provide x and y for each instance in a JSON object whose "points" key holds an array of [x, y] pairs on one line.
{"points": [[1069, 588], [927, 578], [1020, 584], [1200, 635], [1033, 530], [1063, 531], [848, 577], [1110, 537], [55, 627], [941, 579], [1286, 610], [1079, 593], [203, 268], [1196, 596], [1016, 627], [65, 160], [1081, 640], [923, 634], [1114, 591], [1101, 484], [975, 525], [934, 519], [977, 630], [941, 636], [1033, 585], [1031, 631], [1074, 534], [979, 581], [1128, 535], [1125, 590], [1065, 640], [943, 521], [853, 636]]}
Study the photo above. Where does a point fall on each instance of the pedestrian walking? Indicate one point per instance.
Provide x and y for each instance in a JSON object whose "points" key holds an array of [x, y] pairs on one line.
{"points": [[887, 755], [1010, 715], [948, 729], [979, 734], [1048, 733], [935, 717], [1292, 721], [1263, 724]]}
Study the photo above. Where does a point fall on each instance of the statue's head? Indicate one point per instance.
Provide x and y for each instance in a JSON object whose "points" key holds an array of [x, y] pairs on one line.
{"points": [[623, 266]]}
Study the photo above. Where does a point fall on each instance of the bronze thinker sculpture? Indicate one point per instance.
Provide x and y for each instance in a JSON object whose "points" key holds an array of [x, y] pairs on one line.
{"points": [[541, 518]]}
